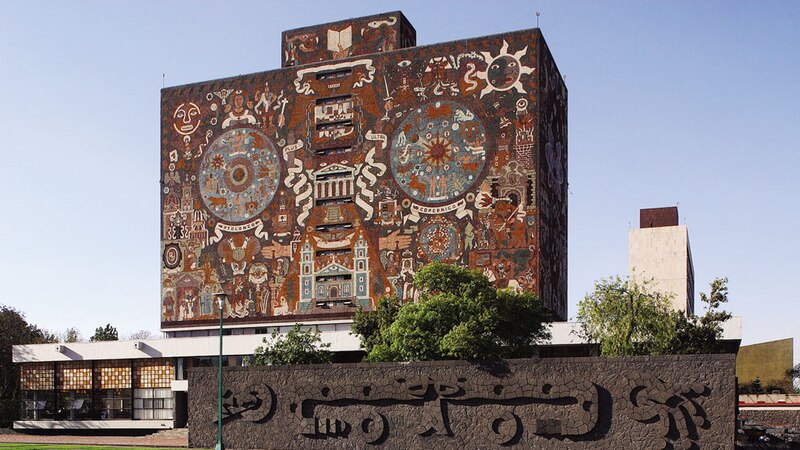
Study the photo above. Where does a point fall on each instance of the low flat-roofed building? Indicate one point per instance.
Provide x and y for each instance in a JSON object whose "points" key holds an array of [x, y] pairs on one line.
{"points": [[143, 383]]}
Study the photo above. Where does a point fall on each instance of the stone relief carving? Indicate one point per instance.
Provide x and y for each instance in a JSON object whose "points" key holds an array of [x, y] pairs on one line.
{"points": [[550, 403], [508, 409], [675, 409], [255, 403]]}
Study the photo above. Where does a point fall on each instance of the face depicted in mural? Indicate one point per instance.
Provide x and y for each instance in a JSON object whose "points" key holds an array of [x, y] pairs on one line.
{"points": [[186, 118], [438, 151], [505, 70], [238, 103], [239, 175]]}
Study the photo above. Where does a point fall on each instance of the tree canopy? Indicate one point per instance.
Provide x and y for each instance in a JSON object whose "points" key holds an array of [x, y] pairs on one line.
{"points": [[703, 334], [627, 318], [107, 333], [794, 375], [299, 346], [15, 331], [141, 335], [460, 314], [71, 335]]}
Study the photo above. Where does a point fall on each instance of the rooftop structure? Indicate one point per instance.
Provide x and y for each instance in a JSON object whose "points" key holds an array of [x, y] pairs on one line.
{"points": [[659, 250]]}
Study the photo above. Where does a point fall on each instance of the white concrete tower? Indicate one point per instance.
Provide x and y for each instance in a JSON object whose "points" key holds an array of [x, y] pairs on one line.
{"points": [[659, 250]]}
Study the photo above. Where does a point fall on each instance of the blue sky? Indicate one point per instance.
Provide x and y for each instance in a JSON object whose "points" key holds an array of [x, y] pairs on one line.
{"points": [[695, 104]]}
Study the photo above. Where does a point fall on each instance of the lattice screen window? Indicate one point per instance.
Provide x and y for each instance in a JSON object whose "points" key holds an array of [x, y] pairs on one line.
{"points": [[153, 373], [153, 403], [37, 376], [112, 375], [74, 375]]}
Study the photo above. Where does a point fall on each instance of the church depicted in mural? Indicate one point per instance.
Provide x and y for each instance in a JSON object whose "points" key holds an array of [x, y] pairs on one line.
{"points": [[316, 189]]}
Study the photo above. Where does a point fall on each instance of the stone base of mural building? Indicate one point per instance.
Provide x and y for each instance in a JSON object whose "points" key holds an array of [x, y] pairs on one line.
{"points": [[679, 402]]}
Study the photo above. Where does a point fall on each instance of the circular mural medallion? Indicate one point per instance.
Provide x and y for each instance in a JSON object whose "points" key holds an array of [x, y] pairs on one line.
{"points": [[440, 240], [438, 151], [172, 256], [239, 174]]}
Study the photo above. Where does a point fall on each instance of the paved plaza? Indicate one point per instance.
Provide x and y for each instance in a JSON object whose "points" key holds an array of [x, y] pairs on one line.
{"points": [[169, 438]]}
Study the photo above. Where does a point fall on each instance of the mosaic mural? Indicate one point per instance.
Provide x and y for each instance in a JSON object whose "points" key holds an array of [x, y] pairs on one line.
{"points": [[337, 40], [322, 186]]}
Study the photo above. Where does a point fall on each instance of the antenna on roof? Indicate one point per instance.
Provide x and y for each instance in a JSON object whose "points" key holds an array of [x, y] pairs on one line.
{"points": [[537, 18], [163, 76]]}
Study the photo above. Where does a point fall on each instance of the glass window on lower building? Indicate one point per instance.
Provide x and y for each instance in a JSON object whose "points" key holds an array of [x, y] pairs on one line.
{"points": [[38, 395], [114, 403], [97, 390], [74, 405], [74, 388], [152, 404], [38, 405]]}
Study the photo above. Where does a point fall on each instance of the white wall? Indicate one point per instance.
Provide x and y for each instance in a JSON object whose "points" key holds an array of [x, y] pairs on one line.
{"points": [[338, 335], [661, 253]]}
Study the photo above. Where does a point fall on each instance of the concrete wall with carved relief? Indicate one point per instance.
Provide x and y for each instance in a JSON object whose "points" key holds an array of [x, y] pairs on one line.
{"points": [[642, 402]]}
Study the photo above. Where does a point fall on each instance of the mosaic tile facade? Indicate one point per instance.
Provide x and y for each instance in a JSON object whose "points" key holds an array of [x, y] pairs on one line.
{"points": [[318, 188], [74, 376], [114, 374], [153, 373], [37, 376]]}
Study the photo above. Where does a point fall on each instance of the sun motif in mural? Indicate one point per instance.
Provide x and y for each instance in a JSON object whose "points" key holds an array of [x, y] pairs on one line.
{"points": [[504, 71], [438, 152]]}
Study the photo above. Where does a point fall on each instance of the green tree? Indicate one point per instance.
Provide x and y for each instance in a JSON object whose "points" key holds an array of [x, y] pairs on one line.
{"points": [[703, 334], [70, 335], [15, 331], [107, 333], [141, 335], [299, 346], [369, 324], [794, 375], [459, 315], [794, 372], [757, 387], [627, 318]]}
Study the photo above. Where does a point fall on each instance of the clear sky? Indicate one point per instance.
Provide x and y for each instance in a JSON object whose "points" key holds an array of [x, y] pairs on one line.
{"points": [[695, 104]]}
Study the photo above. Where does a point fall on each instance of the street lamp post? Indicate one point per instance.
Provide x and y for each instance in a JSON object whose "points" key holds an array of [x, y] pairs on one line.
{"points": [[221, 303]]}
